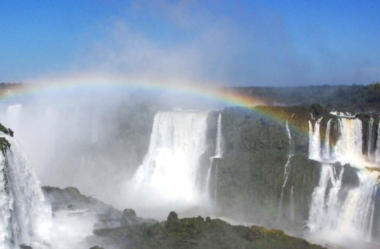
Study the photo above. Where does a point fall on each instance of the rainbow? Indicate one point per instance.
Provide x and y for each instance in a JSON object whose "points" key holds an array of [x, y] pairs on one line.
{"points": [[206, 90]]}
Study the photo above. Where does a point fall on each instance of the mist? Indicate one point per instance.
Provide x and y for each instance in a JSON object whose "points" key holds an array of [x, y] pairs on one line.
{"points": [[93, 139], [116, 95]]}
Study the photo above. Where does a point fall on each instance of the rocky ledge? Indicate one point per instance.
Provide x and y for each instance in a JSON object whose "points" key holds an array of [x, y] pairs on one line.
{"points": [[130, 231]]}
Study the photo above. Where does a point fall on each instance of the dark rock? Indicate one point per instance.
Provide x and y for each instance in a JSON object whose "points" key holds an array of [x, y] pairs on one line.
{"points": [[72, 207], [96, 247], [350, 177], [25, 247], [129, 217], [10, 132], [72, 190], [318, 110]]}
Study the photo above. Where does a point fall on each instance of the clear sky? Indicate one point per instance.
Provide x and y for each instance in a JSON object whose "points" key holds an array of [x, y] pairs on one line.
{"points": [[266, 43]]}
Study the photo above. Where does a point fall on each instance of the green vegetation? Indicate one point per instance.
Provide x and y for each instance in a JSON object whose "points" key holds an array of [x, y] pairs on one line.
{"points": [[4, 143], [342, 97], [126, 230], [199, 233]]}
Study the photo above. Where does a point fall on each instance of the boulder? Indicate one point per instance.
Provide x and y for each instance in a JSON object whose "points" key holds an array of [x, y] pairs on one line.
{"points": [[129, 217], [172, 222]]}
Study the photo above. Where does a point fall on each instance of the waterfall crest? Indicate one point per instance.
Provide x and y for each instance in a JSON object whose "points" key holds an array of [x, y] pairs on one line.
{"points": [[326, 149], [315, 140], [349, 146]]}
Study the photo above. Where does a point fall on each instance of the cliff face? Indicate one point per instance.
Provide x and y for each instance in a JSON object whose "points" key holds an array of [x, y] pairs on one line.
{"points": [[250, 175], [257, 177]]}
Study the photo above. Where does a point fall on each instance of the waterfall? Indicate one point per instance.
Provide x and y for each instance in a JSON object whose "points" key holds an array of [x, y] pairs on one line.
{"points": [[216, 184], [169, 171], [326, 150], [219, 138], [286, 170], [208, 176], [24, 215], [377, 152], [317, 209], [311, 131], [291, 212], [370, 138], [351, 217], [315, 140], [358, 208], [349, 147], [218, 154], [342, 217]]}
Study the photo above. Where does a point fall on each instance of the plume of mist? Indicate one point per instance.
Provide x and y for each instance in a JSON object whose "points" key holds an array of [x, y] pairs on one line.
{"points": [[228, 44]]}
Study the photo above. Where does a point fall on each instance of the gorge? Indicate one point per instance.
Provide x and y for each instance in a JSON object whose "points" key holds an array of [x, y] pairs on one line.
{"points": [[311, 172]]}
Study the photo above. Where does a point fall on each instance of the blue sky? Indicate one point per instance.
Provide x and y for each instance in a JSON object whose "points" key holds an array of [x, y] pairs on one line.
{"points": [[266, 43]]}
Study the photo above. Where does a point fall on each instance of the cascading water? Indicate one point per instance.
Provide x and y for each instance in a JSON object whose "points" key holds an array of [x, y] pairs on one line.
{"points": [[370, 138], [377, 151], [315, 140], [286, 170], [24, 215], [346, 218], [216, 185], [358, 208], [326, 149], [291, 214], [218, 154], [219, 138], [349, 146], [324, 211], [170, 170]]}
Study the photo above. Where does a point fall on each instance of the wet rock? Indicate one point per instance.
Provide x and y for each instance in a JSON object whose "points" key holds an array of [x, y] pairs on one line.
{"points": [[72, 207], [73, 190], [25, 247], [129, 217]]}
